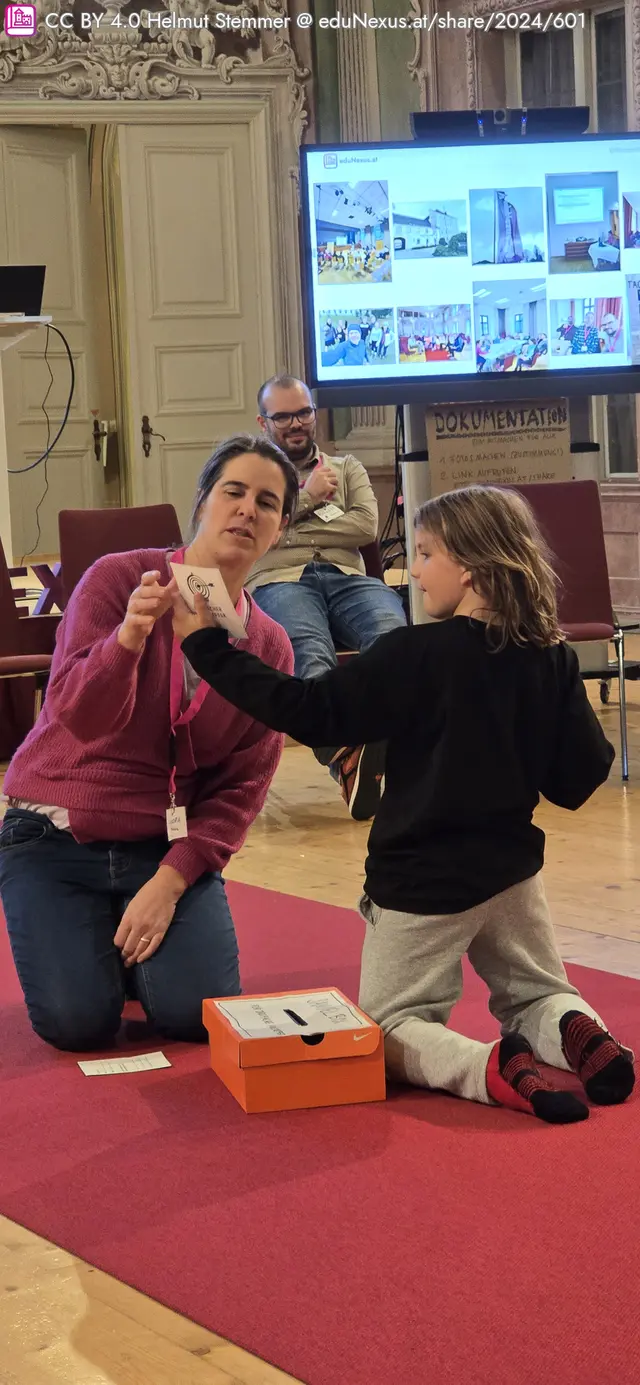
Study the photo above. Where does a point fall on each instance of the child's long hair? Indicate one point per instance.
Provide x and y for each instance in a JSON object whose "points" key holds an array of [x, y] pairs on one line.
{"points": [[494, 535]]}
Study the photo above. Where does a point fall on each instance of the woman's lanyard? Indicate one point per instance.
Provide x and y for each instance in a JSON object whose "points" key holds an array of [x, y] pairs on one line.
{"points": [[177, 817]]}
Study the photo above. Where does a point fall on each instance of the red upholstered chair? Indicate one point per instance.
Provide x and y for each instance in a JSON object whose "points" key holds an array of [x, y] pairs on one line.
{"points": [[570, 518], [26, 643], [86, 535], [373, 560]]}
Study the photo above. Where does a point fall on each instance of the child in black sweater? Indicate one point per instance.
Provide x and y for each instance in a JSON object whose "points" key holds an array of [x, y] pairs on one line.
{"points": [[483, 710]]}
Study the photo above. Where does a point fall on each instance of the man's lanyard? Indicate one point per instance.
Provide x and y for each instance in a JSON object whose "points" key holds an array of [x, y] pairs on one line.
{"points": [[176, 817]]}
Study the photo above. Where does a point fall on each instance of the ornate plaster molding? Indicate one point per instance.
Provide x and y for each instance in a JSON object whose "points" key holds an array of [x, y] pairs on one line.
{"points": [[358, 79], [632, 11], [184, 57], [423, 65]]}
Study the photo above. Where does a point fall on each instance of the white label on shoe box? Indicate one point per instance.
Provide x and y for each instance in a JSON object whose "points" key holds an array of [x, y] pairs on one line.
{"points": [[277, 1017]]}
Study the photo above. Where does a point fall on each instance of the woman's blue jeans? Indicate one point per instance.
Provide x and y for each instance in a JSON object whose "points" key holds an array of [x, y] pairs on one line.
{"points": [[63, 902]]}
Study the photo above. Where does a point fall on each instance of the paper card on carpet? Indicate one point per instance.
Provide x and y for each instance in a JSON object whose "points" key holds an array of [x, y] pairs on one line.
{"points": [[106, 1067], [208, 582]]}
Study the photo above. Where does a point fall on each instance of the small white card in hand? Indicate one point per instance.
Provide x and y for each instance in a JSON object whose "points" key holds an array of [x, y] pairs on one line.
{"points": [[329, 511], [104, 1067], [207, 581]]}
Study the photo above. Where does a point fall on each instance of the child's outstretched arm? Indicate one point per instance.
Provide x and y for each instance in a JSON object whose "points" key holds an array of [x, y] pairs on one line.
{"points": [[583, 755], [362, 700]]}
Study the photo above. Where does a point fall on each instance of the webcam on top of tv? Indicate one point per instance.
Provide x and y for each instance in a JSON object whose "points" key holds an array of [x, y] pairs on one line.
{"points": [[503, 123]]}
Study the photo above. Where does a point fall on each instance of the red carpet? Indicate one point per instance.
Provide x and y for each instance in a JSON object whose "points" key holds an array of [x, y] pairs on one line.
{"points": [[425, 1241]]}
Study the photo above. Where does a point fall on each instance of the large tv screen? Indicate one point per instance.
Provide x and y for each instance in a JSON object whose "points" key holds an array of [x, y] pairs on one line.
{"points": [[485, 270]]}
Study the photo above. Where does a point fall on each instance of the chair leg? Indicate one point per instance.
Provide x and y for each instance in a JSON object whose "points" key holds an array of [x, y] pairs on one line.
{"points": [[37, 701], [618, 641]]}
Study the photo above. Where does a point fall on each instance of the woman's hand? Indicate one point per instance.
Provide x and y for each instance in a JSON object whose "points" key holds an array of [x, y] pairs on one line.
{"points": [[146, 919], [184, 620], [146, 605]]}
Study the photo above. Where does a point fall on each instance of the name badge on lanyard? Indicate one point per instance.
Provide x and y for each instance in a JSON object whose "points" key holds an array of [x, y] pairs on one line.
{"points": [[177, 816]]}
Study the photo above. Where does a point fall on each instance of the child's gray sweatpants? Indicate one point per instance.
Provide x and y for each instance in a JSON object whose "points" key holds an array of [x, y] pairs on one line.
{"points": [[412, 977]]}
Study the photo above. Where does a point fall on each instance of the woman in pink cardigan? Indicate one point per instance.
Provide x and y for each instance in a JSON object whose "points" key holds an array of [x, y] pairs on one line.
{"points": [[138, 782]]}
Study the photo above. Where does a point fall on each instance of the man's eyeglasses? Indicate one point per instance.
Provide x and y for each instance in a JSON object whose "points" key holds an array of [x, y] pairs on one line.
{"points": [[285, 420]]}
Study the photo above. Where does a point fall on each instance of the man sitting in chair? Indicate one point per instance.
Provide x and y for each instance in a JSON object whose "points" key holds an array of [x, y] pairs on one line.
{"points": [[313, 582]]}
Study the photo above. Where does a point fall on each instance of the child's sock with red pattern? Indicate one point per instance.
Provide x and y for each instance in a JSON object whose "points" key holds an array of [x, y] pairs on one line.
{"points": [[604, 1067], [514, 1080]]}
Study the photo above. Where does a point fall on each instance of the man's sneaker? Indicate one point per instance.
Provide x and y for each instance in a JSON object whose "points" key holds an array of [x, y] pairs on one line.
{"points": [[360, 776]]}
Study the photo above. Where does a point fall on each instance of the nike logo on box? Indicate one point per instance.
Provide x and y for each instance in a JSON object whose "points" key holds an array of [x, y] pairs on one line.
{"points": [[358, 1037]]}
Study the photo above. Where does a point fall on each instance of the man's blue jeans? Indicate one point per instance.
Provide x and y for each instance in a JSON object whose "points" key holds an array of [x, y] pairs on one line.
{"points": [[325, 608], [63, 903]]}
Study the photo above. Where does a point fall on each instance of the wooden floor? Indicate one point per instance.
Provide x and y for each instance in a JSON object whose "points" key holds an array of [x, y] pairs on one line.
{"points": [[64, 1323]]}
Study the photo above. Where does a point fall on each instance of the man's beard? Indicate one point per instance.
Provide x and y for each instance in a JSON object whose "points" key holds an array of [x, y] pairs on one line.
{"points": [[299, 450]]}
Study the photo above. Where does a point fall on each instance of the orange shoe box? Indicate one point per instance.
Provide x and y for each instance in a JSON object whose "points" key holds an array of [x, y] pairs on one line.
{"points": [[295, 1049]]}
